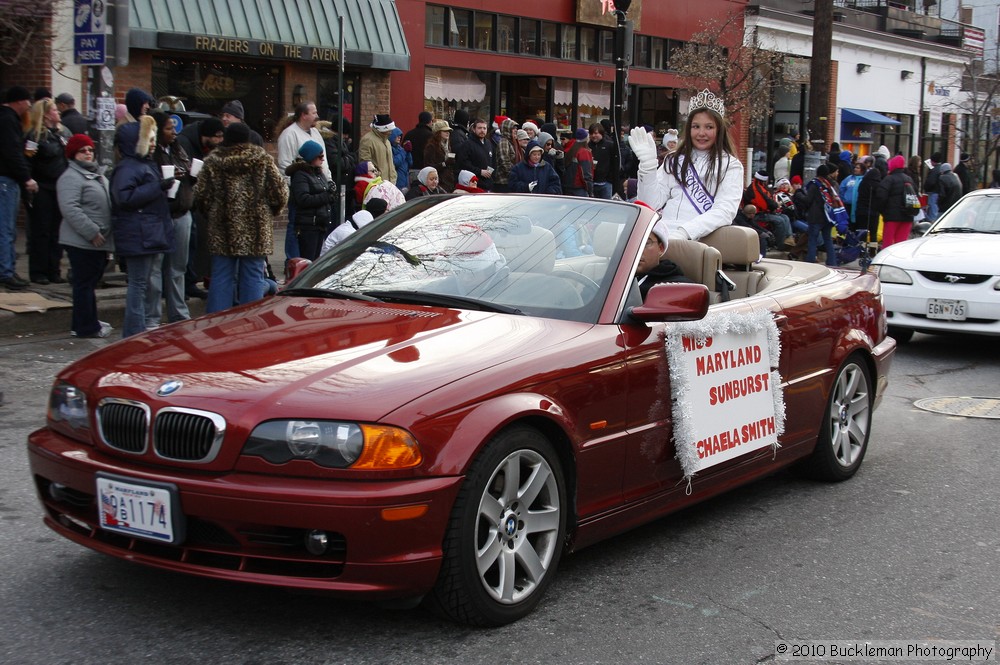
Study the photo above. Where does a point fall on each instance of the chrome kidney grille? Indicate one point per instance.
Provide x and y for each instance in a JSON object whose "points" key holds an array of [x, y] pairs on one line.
{"points": [[180, 434]]}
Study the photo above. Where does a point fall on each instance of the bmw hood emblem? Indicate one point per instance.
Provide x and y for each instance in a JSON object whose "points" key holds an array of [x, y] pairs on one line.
{"points": [[169, 388]]}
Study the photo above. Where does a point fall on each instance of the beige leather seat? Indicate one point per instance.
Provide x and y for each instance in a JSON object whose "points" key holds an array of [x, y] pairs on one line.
{"points": [[739, 248], [526, 247], [699, 262]]}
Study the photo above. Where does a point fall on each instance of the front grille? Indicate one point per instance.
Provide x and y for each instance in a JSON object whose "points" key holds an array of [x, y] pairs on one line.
{"points": [[950, 277], [187, 435], [123, 424]]}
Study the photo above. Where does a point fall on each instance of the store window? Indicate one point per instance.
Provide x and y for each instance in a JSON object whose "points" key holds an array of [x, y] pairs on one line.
{"points": [[507, 34], [931, 143], [204, 86], [485, 39], [529, 37], [607, 47], [898, 138], [330, 105], [447, 90], [550, 40], [569, 42], [434, 33], [640, 51], [460, 28], [588, 44]]}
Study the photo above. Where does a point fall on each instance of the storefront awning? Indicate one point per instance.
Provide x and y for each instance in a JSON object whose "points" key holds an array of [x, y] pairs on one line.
{"points": [[452, 84], [866, 117], [589, 93], [306, 30]]}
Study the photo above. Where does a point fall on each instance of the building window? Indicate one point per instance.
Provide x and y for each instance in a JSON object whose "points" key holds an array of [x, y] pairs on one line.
{"points": [[434, 30], [507, 34], [607, 47], [550, 40], [588, 44], [205, 85], [329, 104], [657, 53], [640, 51], [569, 42], [529, 37], [459, 30], [485, 40]]}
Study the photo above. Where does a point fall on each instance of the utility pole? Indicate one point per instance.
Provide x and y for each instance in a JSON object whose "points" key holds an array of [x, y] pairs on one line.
{"points": [[819, 74]]}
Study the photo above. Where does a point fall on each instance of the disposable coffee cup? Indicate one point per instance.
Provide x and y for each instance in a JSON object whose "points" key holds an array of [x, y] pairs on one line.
{"points": [[172, 192], [196, 165], [451, 155], [489, 169], [30, 145], [168, 170]]}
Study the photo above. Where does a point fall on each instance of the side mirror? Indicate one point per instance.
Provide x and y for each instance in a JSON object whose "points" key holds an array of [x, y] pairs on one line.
{"points": [[677, 301], [295, 268]]}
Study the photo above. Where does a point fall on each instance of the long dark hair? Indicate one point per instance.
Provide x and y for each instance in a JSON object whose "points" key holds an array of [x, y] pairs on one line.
{"points": [[723, 149]]}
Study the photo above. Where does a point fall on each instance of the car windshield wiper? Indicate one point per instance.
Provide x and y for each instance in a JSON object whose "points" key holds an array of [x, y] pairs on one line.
{"points": [[958, 229], [424, 298], [312, 292]]}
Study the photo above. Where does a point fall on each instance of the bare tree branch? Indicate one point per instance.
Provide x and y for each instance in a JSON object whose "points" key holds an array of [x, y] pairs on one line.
{"points": [[23, 25]]}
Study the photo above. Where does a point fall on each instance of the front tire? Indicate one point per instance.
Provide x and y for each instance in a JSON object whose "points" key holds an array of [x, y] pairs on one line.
{"points": [[846, 426], [506, 533]]}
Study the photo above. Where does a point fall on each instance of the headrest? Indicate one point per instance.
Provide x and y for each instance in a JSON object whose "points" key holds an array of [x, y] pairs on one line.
{"points": [[738, 245]]}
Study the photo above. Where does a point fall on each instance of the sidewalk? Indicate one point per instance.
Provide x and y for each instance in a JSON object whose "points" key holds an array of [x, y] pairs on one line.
{"points": [[110, 297]]}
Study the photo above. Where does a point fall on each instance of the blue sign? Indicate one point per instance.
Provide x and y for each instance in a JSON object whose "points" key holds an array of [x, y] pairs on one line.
{"points": [[89, 49]]}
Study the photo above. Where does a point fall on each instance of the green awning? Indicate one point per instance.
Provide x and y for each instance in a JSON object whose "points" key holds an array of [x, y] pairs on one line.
{"points": [[304, 30]]}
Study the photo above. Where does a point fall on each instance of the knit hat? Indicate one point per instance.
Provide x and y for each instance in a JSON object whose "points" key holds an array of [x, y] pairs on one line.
{"points": [[662, 233], [211, 127], [376, 206], [760, 175], [424, 174], [461, 118], [582, 134], [522, 135], [467, 178], [75, 143], [964, 157], [236, 133], [882, 150], [846, 156], [796, 180], [529, 125], [42, 93], [440, 126], [308, 151], [234, 108], [424, 117], [383, 123], [896, 163], [16, 93], [545, 137]]}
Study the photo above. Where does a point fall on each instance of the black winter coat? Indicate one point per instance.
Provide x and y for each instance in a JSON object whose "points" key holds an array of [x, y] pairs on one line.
{"points": [[49, 162], [949, 190], [865, 203], [891, 196], [312, 194]]}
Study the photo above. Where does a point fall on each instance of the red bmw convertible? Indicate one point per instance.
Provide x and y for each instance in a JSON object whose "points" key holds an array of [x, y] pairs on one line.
{"points": [[456, 396]]}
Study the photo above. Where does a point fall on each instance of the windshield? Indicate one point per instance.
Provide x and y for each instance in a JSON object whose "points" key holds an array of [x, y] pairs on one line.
{"points": [[522, 254], [972, 214]]}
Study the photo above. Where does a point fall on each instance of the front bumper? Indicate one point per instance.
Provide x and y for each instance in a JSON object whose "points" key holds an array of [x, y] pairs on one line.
{"points": [[906, 306], [251, 528]]}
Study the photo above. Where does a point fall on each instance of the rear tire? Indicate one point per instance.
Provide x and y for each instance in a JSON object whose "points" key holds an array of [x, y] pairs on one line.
{"points": [[846, 426], [506, 533]]}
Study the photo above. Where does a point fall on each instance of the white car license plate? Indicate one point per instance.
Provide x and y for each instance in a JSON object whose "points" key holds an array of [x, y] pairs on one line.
{"points": [[138, 509], [949, 310]]}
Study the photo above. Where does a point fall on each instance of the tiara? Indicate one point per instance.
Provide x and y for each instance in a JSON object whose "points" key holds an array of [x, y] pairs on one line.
{"points": [[706, 99]]}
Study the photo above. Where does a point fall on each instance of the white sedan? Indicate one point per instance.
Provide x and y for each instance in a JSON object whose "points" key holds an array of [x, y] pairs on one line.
{"points": [[948, 280]]}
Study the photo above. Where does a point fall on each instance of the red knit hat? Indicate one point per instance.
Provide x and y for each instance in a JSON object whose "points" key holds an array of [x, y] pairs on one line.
{"points": [[796, 180], [75, 143]]}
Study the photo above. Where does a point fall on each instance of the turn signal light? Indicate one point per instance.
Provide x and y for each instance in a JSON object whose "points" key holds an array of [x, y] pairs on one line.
{"points": [[388, 448]]}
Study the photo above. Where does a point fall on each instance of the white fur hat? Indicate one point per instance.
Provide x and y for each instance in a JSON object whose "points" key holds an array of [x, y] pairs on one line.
{"points": [[662, 233], [671, 135]]}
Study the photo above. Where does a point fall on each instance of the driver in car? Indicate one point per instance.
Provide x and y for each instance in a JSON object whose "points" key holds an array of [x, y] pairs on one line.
{"points": [[653, 267]]}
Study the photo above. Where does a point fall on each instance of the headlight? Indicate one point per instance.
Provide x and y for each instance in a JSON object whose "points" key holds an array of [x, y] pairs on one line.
{"points": [[891, 274], [68, 411], [334, 444]]}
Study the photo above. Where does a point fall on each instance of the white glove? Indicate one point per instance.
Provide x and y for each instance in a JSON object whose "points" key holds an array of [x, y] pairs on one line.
{"points": [[644, 148], [531, 186]]}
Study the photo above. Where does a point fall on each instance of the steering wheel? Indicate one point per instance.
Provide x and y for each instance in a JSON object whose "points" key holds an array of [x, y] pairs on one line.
{"points": [[590, 287]]}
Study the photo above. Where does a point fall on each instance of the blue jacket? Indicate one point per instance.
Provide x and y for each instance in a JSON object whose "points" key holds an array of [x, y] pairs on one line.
{"points": [[402, 160], [141, 221], [524, 173]]}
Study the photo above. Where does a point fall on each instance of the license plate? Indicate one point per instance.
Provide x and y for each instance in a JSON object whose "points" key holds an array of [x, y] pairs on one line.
{"points": [[949, 310], [138, 508]]}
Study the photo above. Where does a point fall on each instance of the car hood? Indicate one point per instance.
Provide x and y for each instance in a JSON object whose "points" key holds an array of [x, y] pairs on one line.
{"points": [[974, 253], [291, 356]]}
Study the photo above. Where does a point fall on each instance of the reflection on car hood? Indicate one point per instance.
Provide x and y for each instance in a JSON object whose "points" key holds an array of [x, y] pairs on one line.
{"points": [[294, 356], [974, 253]]}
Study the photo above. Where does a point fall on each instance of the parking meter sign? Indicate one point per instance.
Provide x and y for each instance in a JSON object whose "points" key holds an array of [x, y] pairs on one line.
{"points": [[89, 49], [89, 28]]}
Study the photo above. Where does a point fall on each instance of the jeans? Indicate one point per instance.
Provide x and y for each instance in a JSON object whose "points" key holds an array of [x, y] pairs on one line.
{"points": [[88, 268], [821, 231], [230, 274], [10, 197], [778, 224], [291, 238], [166, 279], [602, 190], [138, 268], [932, 206]]}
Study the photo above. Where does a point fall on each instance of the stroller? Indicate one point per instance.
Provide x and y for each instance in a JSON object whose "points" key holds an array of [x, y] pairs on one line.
{"points": [[851, 247]]}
